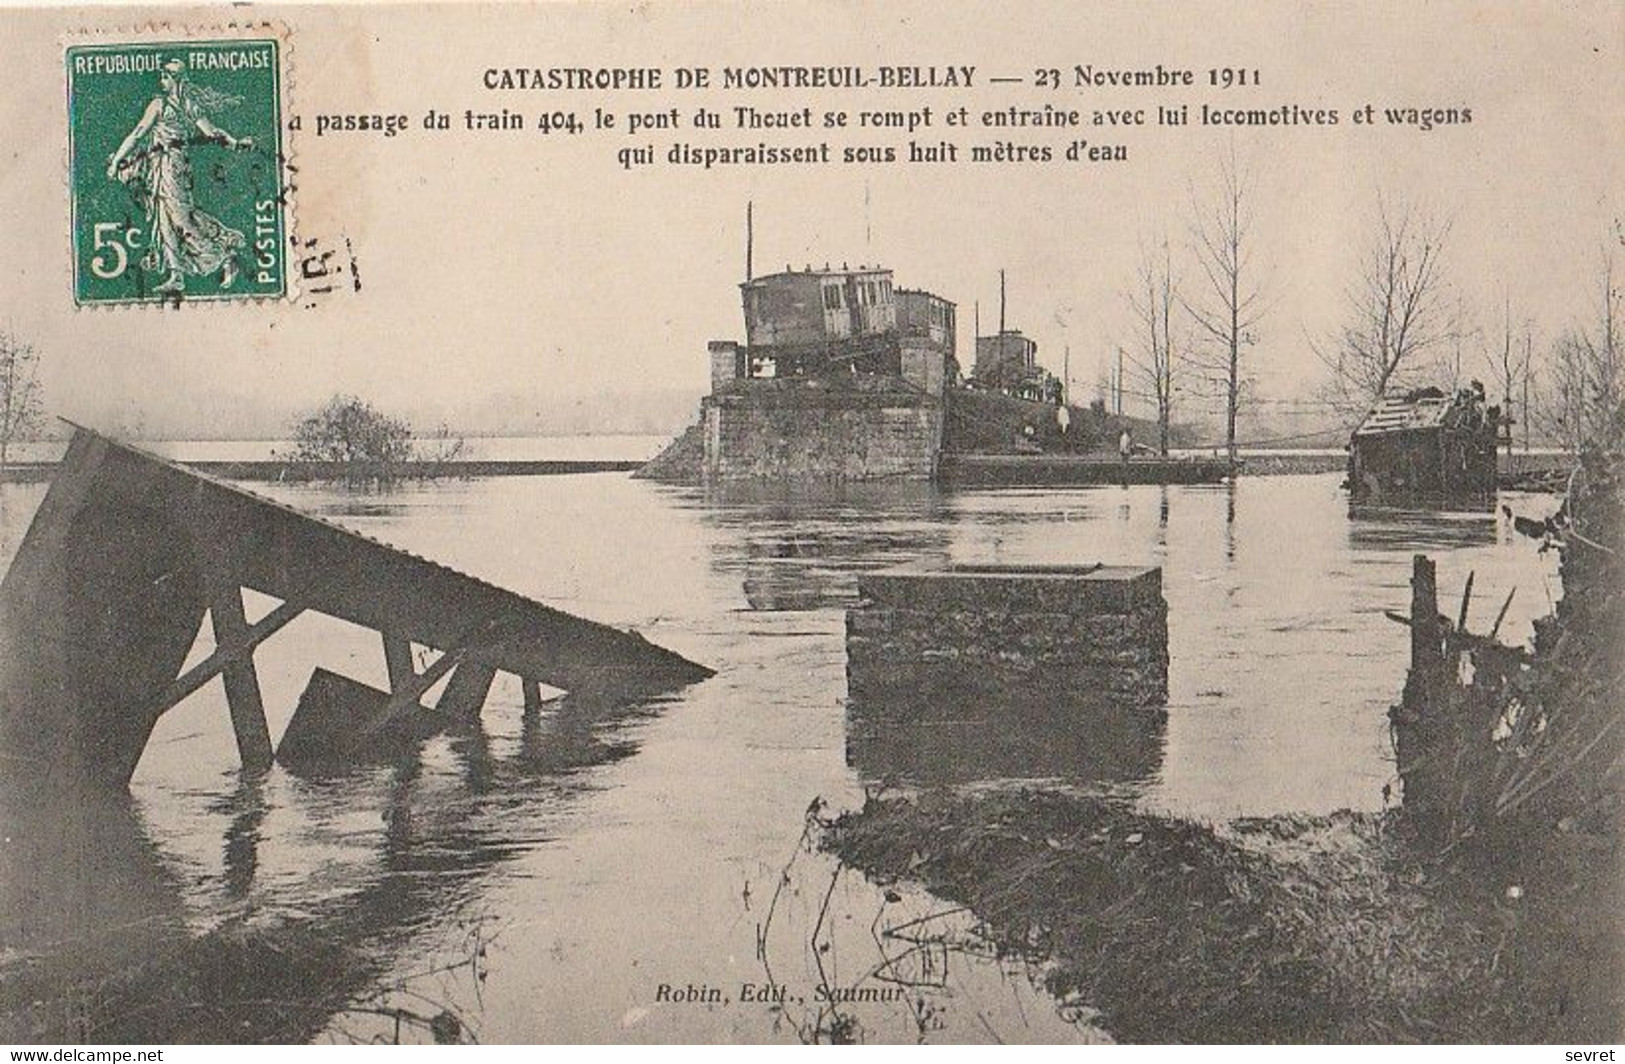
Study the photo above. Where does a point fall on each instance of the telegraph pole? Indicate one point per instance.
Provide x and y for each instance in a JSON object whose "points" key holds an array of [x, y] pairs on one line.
{"points": [[1001, 313], [1526, 417], [1119, 391]]}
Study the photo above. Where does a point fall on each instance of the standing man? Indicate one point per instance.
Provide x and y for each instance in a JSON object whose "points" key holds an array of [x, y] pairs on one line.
{"points": [[1125, 445]]}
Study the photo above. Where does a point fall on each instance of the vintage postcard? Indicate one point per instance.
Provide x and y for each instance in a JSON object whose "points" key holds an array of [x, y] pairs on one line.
{"points": [[885, 522]]}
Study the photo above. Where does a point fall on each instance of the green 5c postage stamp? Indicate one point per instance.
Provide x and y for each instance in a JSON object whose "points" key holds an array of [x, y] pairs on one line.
{"points": [[176, 170]]}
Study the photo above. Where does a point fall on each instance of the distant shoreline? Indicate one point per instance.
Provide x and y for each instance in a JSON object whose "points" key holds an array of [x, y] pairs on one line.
{"points": [[1253, 464], [303, 472]]}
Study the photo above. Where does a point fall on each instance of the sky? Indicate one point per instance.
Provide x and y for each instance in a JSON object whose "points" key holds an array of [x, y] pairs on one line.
{"points": [[522, 282]]}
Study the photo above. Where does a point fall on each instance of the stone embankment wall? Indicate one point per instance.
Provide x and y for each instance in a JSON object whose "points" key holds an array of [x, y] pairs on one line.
{"points": [[683, 459], [862, 429], [991, 423], [1101, 629]]}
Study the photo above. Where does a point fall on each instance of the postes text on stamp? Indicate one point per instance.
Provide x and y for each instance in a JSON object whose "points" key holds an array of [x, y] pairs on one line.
{"points": [[176, 171]]}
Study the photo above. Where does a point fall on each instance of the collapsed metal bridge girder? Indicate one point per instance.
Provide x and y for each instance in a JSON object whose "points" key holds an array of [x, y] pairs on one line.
{"points": [[128, 553]]}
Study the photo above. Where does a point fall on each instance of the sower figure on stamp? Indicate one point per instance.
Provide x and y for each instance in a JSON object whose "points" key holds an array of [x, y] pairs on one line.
{"points": [[182, 239]]}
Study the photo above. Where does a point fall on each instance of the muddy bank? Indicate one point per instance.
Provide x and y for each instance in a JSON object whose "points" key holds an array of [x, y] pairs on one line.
{"points": [[1291, 463], [1324, 929], [290, 983]]}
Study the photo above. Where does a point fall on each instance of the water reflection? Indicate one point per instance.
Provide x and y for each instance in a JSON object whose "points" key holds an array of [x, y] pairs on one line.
{"points": [[89, 901], [1420, 529], [381, 504], [615, 845], [798, 549], [247, 808], [892, 497], [78, 879], [1230, 520]]}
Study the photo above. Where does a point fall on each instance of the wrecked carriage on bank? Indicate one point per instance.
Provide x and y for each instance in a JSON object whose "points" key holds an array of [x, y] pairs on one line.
{"points": [[1426, 443]]}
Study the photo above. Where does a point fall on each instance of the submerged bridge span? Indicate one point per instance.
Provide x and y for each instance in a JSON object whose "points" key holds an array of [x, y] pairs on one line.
{"points": [[129, 553]]}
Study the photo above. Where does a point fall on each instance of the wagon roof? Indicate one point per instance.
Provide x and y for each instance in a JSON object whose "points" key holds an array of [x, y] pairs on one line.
{"points": [[1421, 408]]}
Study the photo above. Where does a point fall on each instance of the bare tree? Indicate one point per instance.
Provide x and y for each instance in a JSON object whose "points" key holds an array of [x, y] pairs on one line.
{"points": [[1584, 398], [1466, 335], [20, 409], [1526, 409], [1153, 357], [1509, 365], [1398, 311], [1231, 304]]}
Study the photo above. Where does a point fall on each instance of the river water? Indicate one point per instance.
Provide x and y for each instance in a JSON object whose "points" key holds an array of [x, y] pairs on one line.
{"points": [[573, 877]]}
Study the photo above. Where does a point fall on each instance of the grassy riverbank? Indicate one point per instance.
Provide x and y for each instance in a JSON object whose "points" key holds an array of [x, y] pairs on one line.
{"points": [[1325, 929]]}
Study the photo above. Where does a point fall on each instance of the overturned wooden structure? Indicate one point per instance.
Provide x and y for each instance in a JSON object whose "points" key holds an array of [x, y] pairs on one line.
{"points": [[1424, 443], [127, 555]]}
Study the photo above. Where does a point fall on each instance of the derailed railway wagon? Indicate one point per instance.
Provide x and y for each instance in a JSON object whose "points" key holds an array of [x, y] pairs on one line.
{"points": [[1425, 443]]}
